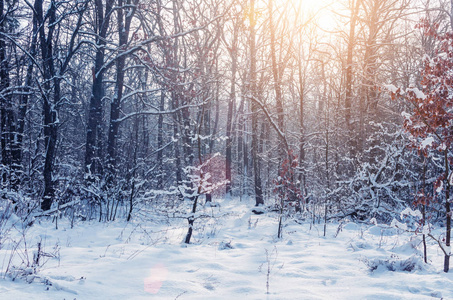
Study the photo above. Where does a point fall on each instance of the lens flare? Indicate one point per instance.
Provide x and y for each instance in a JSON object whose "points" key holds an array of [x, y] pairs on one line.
{"points": [[156, 279]]}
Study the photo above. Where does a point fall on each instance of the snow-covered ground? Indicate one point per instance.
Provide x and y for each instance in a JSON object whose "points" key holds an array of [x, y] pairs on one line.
{"points": [[233, 256]]}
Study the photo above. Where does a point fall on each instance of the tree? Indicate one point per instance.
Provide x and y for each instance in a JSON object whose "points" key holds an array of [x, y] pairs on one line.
{"points": [[253, 94], [278, 67], [232, 48], [430, 122], [125, 13], [379, 18], [103, 14], [349, 74], [53, 69], [5, 97]]}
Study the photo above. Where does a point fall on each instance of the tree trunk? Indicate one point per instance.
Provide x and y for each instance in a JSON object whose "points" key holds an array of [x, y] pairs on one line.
{"points": [[177, 141], [349, 72], [276, 71], [240, 144], [368, 97], [302, 128], [49, 109], [5, 103], [425, 255], [253, 94], [217, 110], [160, 143], [17, 150], [92, 157], [231, 103], [123, 36], [51, 75], [160, 121], [448, 214]]}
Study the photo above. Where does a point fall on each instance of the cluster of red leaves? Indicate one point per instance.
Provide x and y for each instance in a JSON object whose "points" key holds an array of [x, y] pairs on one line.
{"points": [[432, 112], [425, 200], [286, 185], [422, 199], [428, 28]]}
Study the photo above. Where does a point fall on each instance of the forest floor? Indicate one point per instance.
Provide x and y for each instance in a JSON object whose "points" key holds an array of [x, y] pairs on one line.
{"points": [[235, 255]]}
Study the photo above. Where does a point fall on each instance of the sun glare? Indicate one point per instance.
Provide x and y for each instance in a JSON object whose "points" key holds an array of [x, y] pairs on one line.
{"points": [[321, 11]]}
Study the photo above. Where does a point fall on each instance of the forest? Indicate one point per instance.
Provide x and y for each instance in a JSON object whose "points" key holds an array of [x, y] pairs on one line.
{"points": [[151, 112]]}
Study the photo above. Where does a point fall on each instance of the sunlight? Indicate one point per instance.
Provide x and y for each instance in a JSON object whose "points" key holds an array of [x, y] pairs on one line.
{"points": [[321, 10]]}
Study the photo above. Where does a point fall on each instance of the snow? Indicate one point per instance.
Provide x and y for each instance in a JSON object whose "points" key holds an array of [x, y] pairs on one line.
{"points": [[407, 116], [410, 212], [440, 188], [419, 94], [391, 88], [427, 142], [229, 259]]}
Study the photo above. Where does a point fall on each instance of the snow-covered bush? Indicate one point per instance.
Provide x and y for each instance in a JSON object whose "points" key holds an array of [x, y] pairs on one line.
{"points": [[395, 264], [384, 178]]}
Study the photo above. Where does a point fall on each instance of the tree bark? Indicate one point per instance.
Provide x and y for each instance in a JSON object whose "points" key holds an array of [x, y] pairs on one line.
{"points": [[52, 75], [253, 94], [349, 78], [276, 74], [49, 109], [302, 127], [5, 109], [92, 155], [160, 143], [123, 24], [17, 150], [448, 214], [231, 102]]}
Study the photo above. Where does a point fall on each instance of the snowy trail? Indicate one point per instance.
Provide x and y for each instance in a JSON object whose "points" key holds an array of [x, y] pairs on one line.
{"points": [[106, 261]]}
